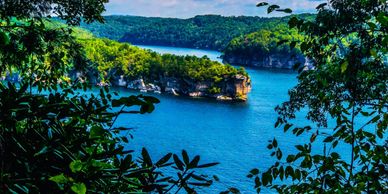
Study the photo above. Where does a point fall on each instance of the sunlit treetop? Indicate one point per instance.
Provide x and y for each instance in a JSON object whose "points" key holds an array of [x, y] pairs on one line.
{"points": [[69, 10]]}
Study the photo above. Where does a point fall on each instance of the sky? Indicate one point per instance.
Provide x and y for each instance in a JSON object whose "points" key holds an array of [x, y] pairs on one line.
{"points": [[190, 8]]}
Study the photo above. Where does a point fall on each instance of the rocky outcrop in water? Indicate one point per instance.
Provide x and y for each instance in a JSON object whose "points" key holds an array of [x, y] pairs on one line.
{"points": [[233, 88]]}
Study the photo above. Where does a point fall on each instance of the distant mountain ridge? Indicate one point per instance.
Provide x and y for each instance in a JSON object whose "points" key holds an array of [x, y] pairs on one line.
{"points": [[205, 31]]}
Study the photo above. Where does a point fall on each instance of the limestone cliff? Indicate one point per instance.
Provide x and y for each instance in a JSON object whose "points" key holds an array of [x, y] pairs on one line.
{"points": [[238, 86], [273, 61], [230, 88], [234, 88]]}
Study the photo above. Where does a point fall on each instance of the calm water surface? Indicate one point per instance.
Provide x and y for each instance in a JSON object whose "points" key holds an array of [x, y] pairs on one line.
{"points": [[234, 134]]}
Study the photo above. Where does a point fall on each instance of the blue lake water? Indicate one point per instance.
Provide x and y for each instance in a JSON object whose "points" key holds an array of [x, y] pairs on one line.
{"points": [[234, 134]]}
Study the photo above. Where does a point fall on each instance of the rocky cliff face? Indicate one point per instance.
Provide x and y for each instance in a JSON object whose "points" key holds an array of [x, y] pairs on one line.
{"points": [[92, 76], [274, 61], [233, 88], [238, 86]]}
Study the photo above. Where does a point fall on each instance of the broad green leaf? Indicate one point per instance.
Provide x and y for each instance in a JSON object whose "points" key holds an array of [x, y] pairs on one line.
{"points": [[146, 157], [42, 151], [279, 154], [185, 156], [4, 38], [194, 162], [96, 132], [287, 127], [79, 188], [60, 179], [344, 66], [382, 19], [328, 139], [208, 165], [234, 190], [164, 160], [373, 52], [76, 166], [151, 99], [255, 171], [275, 143], [178, 162]]}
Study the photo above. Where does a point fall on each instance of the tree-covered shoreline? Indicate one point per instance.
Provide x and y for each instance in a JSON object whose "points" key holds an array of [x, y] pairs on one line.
{"points": [[110, 62], [244, 40], [204, 31], [60, 140], [125, 65], [263, 49]]}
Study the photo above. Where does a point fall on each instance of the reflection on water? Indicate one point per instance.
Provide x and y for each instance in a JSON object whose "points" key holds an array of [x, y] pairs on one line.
{"points": [[234, 134]]}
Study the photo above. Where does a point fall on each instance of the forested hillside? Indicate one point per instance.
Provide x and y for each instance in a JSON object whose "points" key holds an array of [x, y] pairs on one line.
{"points": [[266, 48], [263, 42], [112, 62], [205, 32], [133, 62]]}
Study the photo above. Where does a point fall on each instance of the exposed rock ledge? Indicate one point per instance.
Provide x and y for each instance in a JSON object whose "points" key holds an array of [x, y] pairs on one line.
{"points": [[231, 88], [273, 61]]}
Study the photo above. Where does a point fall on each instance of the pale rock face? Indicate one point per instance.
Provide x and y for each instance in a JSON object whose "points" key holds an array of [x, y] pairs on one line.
{"points": [[239, 87], [224, 98], [275, 61], [137, 84], [233, 88], [196, 94], [171, 86], [202, 86], [122, 82], [91, 76]]}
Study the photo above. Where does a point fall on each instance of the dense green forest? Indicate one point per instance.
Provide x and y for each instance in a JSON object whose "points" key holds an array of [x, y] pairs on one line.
{"points": [[66, 141], [344, 100], [111, 58], [133, 62], [264, 42], [55, 137], [205, 32], [114, 61]]}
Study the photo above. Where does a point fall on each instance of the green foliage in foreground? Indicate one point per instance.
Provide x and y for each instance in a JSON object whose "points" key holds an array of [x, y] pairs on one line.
{"points": [[346, 99], [133, 62], [206, 32], [56, 136]]}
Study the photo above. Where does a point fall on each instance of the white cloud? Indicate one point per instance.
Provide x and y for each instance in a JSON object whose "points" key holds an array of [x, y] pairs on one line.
{"points": [[190, 8]]}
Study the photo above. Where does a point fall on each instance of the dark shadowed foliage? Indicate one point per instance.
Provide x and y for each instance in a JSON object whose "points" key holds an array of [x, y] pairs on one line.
{"points": [[345, 98], [56, 134]]}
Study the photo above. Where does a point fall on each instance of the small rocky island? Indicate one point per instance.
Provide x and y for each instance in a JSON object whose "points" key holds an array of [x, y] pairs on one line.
{"points": [[231, 88], [234, 88], [124, 65]]}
